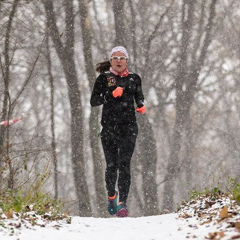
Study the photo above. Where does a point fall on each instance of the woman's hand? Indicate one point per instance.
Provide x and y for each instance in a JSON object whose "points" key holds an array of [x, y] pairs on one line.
{"points": [[117, 92], [141, 110]]}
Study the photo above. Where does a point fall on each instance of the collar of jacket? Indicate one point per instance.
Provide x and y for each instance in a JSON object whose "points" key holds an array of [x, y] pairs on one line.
{"points": [[124, 73]]}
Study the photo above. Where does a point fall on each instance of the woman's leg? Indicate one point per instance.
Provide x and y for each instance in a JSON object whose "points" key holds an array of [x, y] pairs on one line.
{"points": [[110, 148], [126, 145]]}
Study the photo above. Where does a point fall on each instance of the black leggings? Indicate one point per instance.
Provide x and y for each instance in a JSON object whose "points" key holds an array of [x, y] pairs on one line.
{"points": [[118, 144]]}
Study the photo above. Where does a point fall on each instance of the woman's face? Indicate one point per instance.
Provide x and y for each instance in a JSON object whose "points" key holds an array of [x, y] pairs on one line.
{"points": [[118, 64]]}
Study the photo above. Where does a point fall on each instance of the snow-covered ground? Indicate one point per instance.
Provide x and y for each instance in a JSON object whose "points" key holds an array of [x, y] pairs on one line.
{"points": [[162, 227], [203, 218]]}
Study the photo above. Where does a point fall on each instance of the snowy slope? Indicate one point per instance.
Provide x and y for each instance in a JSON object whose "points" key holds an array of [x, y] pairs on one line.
{"points": [[203, 218]]}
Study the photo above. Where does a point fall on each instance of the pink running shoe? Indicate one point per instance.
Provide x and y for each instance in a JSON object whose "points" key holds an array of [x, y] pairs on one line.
{"points": [[122, 210]]}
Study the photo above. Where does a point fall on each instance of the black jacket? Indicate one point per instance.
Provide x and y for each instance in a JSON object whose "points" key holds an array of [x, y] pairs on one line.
{"points": [[120, 109]]}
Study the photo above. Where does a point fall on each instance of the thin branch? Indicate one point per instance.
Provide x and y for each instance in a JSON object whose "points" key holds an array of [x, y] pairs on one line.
{"points": [[29, 76]]}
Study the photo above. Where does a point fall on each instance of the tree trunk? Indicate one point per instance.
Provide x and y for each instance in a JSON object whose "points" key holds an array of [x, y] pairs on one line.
{"points": [[186, 83], [148, 159], [53, 143], [120, 30], [148, 155], [94, 125], [181, 107], [66, 56], [6, 100]]}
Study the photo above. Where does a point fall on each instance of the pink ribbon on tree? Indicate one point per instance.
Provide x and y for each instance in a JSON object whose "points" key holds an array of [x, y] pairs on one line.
{"points": [[11, 122]]}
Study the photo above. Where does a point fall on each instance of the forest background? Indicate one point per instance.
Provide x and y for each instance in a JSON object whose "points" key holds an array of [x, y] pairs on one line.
{"points": [[187, 54]]}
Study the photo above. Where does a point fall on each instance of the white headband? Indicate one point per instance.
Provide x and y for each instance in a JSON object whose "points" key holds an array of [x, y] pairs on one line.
{"points": [[118, 49]]}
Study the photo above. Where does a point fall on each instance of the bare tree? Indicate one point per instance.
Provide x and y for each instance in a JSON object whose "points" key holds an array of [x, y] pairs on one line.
{"points": [[10, 101], [229, 113], [66, 56], [186, 87], [6, 111], [94, 125], [147, 156], [53, 141]]}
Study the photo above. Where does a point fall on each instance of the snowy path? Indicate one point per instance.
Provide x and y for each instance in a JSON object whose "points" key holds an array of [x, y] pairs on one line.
{"points": [[202, 218], [163, 227]]}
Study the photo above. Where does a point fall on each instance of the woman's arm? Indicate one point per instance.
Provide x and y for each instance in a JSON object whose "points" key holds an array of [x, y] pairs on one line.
{"points": [[97, 98], [139, 98]]}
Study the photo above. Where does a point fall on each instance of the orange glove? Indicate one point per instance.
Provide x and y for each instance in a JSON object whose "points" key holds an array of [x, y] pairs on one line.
{"points": [[117, 92], [141, 110]]}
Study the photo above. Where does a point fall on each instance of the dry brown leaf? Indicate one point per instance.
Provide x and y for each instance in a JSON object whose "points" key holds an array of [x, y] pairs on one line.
{"points": [[224, 212], [203, 215], [211, 202], [235, 237], [216, 235], [9, 214], [237, 225], [185, 215], [221, 234], [211, 236]]}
